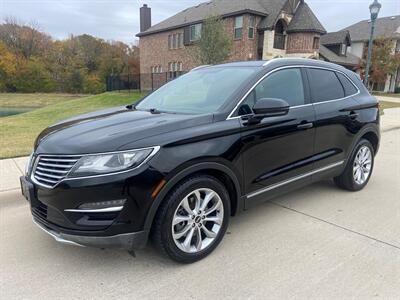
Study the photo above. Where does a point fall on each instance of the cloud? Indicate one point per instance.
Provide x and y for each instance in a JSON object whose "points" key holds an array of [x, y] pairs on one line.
{"points": [[119, 19]]}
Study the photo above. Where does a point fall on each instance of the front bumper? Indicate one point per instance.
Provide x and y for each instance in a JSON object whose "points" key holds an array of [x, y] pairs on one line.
{"points": [[127, 241], [55, 211]]}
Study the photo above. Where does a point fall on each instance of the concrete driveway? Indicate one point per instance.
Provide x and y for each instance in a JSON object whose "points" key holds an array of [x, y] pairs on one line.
{"points": [[317, 243]]}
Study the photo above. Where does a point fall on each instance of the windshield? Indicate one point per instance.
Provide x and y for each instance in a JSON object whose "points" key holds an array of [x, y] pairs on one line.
{"points": [[198, 92]]}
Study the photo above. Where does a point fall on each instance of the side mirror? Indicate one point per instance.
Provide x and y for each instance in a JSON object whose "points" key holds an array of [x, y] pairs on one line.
{"points": [[268, 107]]}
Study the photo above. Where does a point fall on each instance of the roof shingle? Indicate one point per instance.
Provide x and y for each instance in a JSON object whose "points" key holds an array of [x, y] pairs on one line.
{"points": [[339, 37], [304, 20], [388, 27], [268, 8], [348, 60]]}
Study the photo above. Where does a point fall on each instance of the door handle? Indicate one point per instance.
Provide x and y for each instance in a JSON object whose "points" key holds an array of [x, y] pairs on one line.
{"points": [[305, 126], [353, 115]]}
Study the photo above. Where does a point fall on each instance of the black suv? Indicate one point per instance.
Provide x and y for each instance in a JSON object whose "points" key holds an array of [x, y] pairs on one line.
{"points": [[202, 148]]}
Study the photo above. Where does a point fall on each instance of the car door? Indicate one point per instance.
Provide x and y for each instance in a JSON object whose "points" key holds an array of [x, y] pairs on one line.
{"points": [[336, 123], [277, 151]]}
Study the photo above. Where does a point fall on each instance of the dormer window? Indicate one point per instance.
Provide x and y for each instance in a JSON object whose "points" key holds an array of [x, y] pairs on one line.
{"points": [[343, 49]]}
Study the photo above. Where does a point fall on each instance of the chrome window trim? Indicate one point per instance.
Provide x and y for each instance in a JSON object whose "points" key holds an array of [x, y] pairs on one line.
{"points": [[231, 117], [37, 158], [293, 179]]}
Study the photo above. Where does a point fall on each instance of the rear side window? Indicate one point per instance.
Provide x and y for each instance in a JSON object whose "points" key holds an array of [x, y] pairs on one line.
{"points": [[285, 84], [349, 88], [325, 85]]}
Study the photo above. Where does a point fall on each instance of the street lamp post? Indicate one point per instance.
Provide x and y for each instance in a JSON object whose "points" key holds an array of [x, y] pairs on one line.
{"points": [[374, 10]]}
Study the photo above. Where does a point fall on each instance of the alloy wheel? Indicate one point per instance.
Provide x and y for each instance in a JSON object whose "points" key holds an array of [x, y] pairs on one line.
{"points": [[362, 165], [197, 220]]}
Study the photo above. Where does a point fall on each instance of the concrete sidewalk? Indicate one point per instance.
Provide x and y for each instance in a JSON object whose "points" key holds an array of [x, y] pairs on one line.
{"points": [[12, 169]]}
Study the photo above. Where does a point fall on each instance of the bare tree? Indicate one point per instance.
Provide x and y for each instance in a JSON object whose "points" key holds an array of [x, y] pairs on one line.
{"points": [[26, 40]]}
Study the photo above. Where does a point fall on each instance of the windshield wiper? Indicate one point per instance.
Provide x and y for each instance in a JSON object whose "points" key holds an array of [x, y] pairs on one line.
{"points": [[154, 111]]}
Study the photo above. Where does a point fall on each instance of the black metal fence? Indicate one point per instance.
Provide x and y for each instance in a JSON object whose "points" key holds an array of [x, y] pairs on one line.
{"points": [[144, 81], [123, 82]]}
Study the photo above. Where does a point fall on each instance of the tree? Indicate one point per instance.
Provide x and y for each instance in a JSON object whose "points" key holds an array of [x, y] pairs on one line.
{"points": [[25, 40], [214, 45], [384, 60], [30, 61], [8, 68]]}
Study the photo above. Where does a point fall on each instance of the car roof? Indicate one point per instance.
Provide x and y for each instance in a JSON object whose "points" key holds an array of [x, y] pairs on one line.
{"points": [[280, 62]]}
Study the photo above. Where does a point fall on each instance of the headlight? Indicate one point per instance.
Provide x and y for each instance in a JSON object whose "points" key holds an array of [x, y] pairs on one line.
{"points": [[96, 164]]}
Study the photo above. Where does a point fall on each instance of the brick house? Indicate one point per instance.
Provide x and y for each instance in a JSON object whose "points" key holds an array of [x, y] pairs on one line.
{"points": [[388, 28], [335, 48], [260, 29]]}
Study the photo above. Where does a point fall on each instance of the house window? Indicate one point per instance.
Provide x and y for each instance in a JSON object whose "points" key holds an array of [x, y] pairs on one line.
{"points": [[175, 69], [280, 35], [156, 69], [195, 32], [316, 43], [175, 41], [252, 21], [180, 40], [170, 41], [343, 49], [238, 30]]}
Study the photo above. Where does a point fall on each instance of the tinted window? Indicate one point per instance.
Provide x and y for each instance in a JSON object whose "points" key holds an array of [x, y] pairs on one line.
{"points": [[197, 92], [285, 84], [246, 107], [349, 88], [325, 85]]}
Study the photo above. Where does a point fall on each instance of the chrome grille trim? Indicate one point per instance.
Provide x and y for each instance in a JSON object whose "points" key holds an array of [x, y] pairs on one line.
{"points": [[64, 169], [49, 170]]}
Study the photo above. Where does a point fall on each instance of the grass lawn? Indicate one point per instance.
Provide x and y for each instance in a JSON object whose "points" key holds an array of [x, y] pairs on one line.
{"points": [[385, 105], [17, 133], [397, 95], [33, 100]]}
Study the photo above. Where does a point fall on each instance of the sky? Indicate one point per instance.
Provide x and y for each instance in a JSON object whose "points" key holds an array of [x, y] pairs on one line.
{"points": [[119, 19]]}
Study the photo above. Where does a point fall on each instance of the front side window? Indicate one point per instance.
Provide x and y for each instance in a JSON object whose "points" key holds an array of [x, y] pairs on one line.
{"points": [[285, 84], [238, 30], [198, 92], [195, 32], [252, 21], [325, 85]]}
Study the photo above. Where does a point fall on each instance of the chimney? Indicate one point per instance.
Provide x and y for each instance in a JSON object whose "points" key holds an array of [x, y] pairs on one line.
{"points": [[145, 18]]}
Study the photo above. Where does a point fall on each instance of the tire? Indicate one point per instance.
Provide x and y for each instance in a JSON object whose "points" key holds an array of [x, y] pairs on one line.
{"points": [[348, 179], [167, 238]]}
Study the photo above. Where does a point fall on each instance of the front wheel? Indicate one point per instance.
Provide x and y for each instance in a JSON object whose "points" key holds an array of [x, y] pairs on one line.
{"points": [[193, 219], [359, 168]]}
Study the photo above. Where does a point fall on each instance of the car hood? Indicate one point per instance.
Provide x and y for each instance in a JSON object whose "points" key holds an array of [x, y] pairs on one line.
{"points": [[111, 129]]}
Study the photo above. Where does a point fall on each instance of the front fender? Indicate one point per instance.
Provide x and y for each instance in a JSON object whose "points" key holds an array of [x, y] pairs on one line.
{"points": [[198, 167]]}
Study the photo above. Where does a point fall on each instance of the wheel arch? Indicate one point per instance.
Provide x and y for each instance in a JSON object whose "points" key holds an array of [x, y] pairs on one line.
{"points": [[215, 169], [371, 133]]}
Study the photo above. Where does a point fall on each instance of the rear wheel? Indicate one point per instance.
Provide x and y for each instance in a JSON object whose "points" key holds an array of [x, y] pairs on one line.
{"points": [[193, 219], [359, 168]]}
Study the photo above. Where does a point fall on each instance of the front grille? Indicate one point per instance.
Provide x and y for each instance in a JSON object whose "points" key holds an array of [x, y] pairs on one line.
{"points": [[50, 170]]}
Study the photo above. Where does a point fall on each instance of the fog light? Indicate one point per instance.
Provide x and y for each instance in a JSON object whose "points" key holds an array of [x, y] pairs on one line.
{"points": [[103, 204]]}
